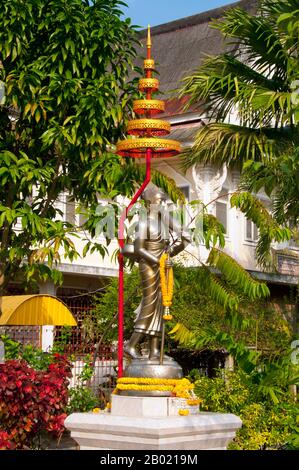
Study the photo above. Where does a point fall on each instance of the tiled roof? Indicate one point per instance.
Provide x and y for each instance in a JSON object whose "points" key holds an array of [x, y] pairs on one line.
{"points": [[185, 133], [179, 46]]}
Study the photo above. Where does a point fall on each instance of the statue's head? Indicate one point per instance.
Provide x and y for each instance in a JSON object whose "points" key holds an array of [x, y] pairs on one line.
{"points": [[153, 195]]}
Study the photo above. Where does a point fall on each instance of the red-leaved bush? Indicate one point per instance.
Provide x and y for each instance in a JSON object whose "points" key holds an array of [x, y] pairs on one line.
{"points": [[5, 442], [32, 401]]}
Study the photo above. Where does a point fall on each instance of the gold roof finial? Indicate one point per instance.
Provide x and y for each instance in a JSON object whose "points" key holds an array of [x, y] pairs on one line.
{"points": [[149, 41]]}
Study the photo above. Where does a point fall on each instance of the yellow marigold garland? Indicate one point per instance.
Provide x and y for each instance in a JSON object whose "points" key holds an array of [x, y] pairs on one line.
{"points": [[193, 402], [166, 284], [183, 412], [181, 388], [145, 388], [167, 316]]}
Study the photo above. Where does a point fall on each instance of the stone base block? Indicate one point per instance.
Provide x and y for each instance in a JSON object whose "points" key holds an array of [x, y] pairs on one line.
{"points": [[150, 406], [105, 431]]}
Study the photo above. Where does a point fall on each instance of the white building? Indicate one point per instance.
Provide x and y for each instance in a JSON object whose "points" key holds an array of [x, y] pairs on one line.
{"points": [[178, 48]]}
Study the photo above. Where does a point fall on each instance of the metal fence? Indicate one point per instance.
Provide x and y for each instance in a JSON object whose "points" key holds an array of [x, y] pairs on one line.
{"points": [[24, 334], [79, 344]]}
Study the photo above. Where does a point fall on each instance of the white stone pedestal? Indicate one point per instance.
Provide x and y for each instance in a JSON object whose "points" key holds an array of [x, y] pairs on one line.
{"points": [[146, 423], [150, 407]]}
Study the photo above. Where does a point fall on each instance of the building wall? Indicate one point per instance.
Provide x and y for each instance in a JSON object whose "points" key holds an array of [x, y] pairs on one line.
{"points": [[211, 186]]}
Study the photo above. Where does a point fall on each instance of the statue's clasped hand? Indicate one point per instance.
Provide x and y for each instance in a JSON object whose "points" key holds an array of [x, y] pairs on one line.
{"points": [[168, 264]]}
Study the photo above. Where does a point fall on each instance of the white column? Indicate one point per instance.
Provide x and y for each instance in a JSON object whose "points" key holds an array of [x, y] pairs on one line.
{"points": [[229, 363], [47, 288]]}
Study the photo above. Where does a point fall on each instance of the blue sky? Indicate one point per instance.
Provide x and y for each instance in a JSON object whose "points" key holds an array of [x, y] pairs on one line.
{"points": [[156, 12]]}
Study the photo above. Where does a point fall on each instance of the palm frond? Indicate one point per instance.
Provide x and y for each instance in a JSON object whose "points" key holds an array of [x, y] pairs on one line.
{"points": [[219, 292], [226, 83], [278, 7], [211, 85], [181, 334], [269, 229], [257, 37], [253, 83], [282, 173], [269, 105], [235, 275], [287, 13], [209, 337], [246, 73], [227, 143]]}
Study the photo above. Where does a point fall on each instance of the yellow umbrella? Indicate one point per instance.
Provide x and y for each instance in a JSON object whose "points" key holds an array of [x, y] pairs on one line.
{"points": [[35, 310]]}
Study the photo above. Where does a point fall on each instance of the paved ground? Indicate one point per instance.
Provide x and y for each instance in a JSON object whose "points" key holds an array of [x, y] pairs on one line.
{"points": [[65, 443]]}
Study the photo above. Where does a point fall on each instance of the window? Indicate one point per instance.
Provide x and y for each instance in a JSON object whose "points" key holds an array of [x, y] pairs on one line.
{"points": [[82, 217], [293, 243], [221, 209], [251, 231], [70, 210], [186, 191]]}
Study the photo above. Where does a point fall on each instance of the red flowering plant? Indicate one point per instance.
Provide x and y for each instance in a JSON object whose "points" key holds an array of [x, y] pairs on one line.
{"points": [[32, 401], [5, 442]]}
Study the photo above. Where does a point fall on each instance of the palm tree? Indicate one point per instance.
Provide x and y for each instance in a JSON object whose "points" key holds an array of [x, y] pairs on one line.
{"points": [[256, 83]]}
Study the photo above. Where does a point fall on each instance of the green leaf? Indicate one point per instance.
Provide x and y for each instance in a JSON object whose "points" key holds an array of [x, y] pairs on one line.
{"points": [[63, 95], [236, 275]]}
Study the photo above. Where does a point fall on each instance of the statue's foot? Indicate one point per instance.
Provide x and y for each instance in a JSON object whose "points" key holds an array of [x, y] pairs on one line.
{"points": [[132, 353], [155, 354]]}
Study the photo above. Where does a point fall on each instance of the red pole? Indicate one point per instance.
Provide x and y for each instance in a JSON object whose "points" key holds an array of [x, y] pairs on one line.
{"points": [[121, 243], [121, 231]]}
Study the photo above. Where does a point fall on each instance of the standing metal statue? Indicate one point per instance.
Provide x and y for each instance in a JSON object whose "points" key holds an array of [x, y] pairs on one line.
{"points": [[152, 239], [149, 142]]}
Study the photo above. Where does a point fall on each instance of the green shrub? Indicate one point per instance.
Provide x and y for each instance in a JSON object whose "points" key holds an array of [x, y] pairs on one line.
{"points": [[35, 357], [81, 399], [223, 395], [265, 425]]}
